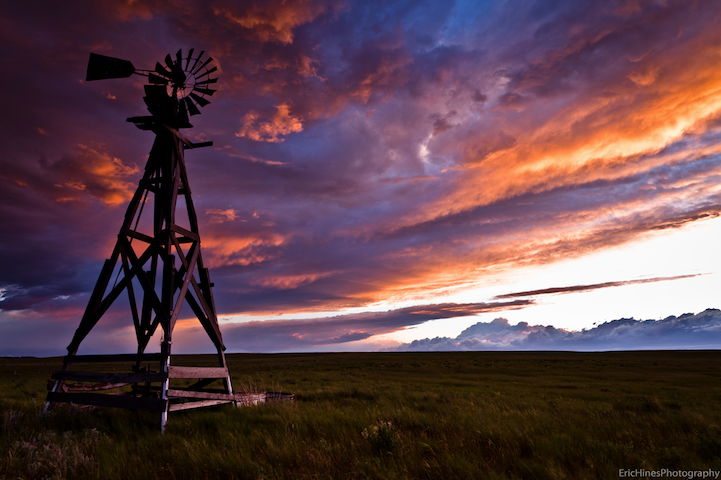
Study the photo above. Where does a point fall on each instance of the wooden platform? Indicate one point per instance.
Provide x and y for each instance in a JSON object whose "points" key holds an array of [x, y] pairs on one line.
{"points": [[81, 387], [177, 399]]}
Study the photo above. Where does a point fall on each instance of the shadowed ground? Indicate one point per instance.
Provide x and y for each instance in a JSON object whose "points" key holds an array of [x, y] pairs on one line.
{"points": [[390, 415]]}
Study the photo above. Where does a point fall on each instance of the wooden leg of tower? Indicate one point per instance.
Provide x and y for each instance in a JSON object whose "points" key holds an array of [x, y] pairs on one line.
{"points": [[226, 381], [166, 384], [58, 385], [55, 388]]}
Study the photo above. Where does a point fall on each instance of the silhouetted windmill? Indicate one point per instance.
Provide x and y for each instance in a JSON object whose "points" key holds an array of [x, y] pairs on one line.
{"points": [[157, 262]]}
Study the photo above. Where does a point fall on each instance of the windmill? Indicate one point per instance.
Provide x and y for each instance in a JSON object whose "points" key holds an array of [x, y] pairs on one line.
{"points": [[157, 263]]}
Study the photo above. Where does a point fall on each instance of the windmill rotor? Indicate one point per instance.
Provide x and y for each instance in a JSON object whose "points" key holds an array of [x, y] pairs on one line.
{"points": [[178, 86]]}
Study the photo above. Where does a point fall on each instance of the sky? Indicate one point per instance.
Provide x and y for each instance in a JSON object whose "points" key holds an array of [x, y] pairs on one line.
{"points": [[383, 175]]}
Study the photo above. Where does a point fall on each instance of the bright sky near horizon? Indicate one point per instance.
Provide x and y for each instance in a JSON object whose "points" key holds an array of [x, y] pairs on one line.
{"points": [[662, 254], [381, 173]]}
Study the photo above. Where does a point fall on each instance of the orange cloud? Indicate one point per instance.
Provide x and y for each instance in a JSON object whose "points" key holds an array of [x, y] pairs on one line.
{"points": [[102, 177], [281, 123], [286, 282], [275, 21], [604, 134], [220, 216], [240, 250]]}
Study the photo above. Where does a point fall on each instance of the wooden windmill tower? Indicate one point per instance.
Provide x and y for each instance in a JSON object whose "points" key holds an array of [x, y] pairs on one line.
{"points": [[158, 262]]}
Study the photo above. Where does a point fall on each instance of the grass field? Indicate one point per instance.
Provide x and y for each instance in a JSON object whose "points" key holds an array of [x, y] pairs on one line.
{"points": [[390, 415]]}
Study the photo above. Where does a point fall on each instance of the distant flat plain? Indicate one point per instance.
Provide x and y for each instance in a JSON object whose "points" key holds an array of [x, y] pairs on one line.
{"points": [[541, 415]]}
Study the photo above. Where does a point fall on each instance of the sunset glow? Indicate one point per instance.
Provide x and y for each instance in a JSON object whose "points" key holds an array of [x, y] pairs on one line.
{"points": [[380, 173]]}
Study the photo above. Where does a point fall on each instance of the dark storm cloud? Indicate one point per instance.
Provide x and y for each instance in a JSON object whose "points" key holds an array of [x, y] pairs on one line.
{"points": [[688, 331], [584, 288]]}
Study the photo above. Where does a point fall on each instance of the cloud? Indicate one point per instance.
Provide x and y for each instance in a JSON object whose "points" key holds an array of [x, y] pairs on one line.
{"points": [[583, 288], [275, 21], [89, 173], [391, 153], [280, 124], [688, 331], [219, 215], [315, 333]]}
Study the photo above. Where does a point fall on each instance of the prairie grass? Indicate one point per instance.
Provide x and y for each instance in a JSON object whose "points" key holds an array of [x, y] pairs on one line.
{"points": [[530, 415]]}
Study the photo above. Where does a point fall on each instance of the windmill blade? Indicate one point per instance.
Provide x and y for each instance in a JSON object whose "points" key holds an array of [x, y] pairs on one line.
{"points": [[210, 59], [155, 91], [191, 107], [179, 59], [101, 67], [190, 57], [197, 60], [205, 91], [201, 101], [208, 72], [206, 82], [161, 70], [183, 113], [157, 79], [177, 75]]}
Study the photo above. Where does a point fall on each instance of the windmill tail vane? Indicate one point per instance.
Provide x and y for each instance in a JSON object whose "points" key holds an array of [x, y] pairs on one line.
{"points": [[158, 264]]}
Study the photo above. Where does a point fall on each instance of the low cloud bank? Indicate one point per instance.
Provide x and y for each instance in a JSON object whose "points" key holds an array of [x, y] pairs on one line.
{"points": [[688, 331], [309, 334]]}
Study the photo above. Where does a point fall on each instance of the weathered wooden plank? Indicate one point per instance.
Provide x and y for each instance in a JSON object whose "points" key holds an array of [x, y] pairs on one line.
{"points": [[148, 288], [131, 298], [207, 395], [139, 236], [197, 372], [183, 259], [122, 357], [109, 377], [174, 407], [147, 309], [99, 309], [190, 267], [250, 398], [178, 149], [205, 390], [167, 291], [201, 144], [118, 401], [207, 286], [90, 317], [137, 199], [156, 122], [188, 201], [91, 387], [186, 233], [242, 398], [180, 136], [209, 317], [200, 314]]}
